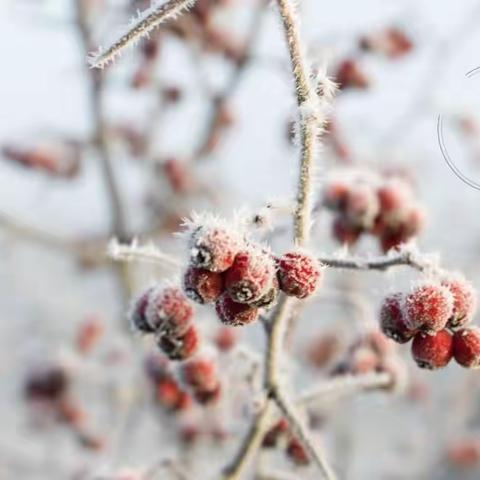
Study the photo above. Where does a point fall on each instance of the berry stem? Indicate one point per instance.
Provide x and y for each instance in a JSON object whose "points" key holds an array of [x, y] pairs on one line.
{"points": [[146, 21], [346, 385], [307, 102]]}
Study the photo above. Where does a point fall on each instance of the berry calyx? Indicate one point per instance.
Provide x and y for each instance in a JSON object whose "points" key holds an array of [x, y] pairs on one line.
{"points": [[182, 347], [392, 319], [234, 314], [432, 351], [250, 276], [213, 248], [202, 286], [298, 274], [466, 347], [429, 307]]}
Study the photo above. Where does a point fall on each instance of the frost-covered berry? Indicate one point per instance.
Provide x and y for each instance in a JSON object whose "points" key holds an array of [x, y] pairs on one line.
{"points": [[167, 393], [345, 232], [273, 435], [464, 300], [297, 453], [466, 347], [213, 248], [225, 339], [392, 319], [182, 347], [335, 194], [200, 374], [202, 286], [251, 275], [298, 274], [269, 299], [169, 310], [209, 396], [432, 351], [138, 313], [234, 314], [428, 307], [361, 206]]}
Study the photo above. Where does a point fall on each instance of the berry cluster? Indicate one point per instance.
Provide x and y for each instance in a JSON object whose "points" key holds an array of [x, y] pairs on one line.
{"points": [[281, 434], [241, 276], [382, 207], [372, 352], [434, 315], [166, 312]]}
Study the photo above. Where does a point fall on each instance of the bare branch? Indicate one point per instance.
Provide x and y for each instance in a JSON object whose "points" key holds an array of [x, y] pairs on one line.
{"points": [[140, 27]]}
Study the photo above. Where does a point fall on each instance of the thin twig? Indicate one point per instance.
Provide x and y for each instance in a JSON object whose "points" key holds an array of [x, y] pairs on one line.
{"points": [[346, 385], [307, 102], [140, 27]]}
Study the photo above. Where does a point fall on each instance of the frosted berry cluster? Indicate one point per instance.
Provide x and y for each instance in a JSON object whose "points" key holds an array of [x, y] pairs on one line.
{"points": [[434, 316], [240, 276], [384, 207], [166, 312], [370, 353]]}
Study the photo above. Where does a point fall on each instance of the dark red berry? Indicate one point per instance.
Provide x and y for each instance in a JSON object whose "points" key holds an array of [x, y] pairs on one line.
{"points": [[298, 274], [180, 348], [432, 351], [392, 319], [234, 314], [202, 286], [464, 301], [429, 307], [466, 347], [138, 313], [200, 374], [297, 453]]}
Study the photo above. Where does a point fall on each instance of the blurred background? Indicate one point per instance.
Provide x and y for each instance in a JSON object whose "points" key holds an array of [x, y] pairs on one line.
{"points": [[199, 116]]}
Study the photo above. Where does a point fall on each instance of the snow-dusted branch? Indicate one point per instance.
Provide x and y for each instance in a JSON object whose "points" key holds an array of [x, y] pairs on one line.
{"points": [[134, 252], [140, 27]]}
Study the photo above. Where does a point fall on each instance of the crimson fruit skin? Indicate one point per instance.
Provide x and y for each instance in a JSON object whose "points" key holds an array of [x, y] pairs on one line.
{"points": [[297, 453], [225, 339], [182, 347], [345, 232], [432, 351], [207, 397], [392, 319], [298, 274], [202, 286], [273, 435], [170, 311], [466, 347], [464, 301], [213, 248], [138, 313], [428, 307], [250, 276], [200, 374], [234, 314]]}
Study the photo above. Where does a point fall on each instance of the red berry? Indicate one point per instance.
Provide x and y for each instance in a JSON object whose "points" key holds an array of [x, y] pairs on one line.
{"points": [[349, 74], [251, 275], [138, 313], [156, 367], [466, 347], [179, 348], [273, 435], [392, 319], [432, 351], [47, 382], [213, 248], [345, 232], [429, 307], [297, 453], [298, 274], [225, 339], [202, 286], [234, 314], [464, 301], [168, 393], [169, 311], [209, 396], [361, 207], [200, 374], [335, 195]]}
